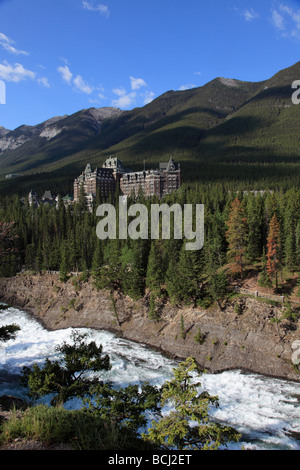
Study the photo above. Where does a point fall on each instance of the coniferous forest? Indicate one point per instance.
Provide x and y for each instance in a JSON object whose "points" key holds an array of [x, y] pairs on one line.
{"points": [[242, 229]]}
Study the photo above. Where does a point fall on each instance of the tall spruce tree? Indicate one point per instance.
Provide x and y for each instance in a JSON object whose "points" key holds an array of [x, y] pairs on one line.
{"points": [[154, 276], [237, 236], [273, 249]]}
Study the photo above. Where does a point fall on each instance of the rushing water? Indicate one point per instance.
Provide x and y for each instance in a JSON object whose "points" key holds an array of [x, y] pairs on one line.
{"points": [[262, 409]]}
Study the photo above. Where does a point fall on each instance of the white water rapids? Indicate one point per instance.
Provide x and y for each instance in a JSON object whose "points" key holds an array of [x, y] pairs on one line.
{"points": [[262, 409]]}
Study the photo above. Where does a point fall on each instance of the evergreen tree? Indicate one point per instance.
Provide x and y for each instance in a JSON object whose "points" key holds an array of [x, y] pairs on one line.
{"points": [[154, 275], [289, 252], [172, 281], [297, 245], [97, 261], [273, 249], [111, 273], [218, 287], [254, 222], [69, 376], [237, 236], [188, 276], [187, 425], [64, 268], [134, 280], [264, 279]]}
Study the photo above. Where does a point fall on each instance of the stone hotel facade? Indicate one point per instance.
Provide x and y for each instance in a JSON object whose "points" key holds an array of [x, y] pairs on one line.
{"points": [[165, 180]]}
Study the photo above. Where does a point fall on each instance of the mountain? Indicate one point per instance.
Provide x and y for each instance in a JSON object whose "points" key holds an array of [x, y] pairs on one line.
{"points": [[226, 128], [3, 131], [29, 147]]}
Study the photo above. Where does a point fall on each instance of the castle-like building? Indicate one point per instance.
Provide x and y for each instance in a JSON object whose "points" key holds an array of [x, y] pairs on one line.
{"points": [[105, 178], [165, 180]]}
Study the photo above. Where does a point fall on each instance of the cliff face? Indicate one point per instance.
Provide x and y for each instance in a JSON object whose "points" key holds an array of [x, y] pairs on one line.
{"points": [[248, 341]]}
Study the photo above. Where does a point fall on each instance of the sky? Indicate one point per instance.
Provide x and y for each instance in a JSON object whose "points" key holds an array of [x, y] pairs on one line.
{"points": [[60, 56]]}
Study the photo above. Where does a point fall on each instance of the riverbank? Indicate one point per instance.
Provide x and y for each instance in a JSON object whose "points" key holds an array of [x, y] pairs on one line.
{"points": [[251, 340]]}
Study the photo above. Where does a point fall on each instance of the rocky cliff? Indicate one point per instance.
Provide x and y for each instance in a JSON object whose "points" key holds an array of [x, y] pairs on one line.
{"points": [[218, 340]]}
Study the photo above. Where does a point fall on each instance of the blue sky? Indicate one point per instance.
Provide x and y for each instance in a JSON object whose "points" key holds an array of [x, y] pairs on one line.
{"points": [[60, 56]]}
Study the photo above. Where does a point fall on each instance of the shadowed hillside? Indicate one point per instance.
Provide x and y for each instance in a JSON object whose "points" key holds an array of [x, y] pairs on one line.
{"points": [[226, 129]]}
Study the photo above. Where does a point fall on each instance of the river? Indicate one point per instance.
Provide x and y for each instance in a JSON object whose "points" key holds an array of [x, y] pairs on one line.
{"points": [[262, 409]]}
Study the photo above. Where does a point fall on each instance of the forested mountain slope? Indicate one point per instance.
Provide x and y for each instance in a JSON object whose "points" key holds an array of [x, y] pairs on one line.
{"points": [[224, 129]]}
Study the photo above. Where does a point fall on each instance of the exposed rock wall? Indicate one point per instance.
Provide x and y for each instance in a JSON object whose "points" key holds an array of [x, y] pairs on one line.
{"points": [[248, 341]]}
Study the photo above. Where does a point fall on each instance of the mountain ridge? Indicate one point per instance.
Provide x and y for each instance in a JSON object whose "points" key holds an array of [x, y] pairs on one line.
{"points": [[224, 122]]}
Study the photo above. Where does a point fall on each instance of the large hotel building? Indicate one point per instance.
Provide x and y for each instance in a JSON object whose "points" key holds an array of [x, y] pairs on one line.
{"points": [[165, 180]]}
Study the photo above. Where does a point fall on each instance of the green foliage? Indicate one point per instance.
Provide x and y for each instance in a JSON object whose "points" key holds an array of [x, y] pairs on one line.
{"points": [[174, 430], [65, 240], [154, 274], [264, 278], [67, 377], [290, 313], [238, 308], [218, 287], [182, 328], [112, 418], [199, 337], [125, 407], [152, 306], [8, 332], [79, 429]]}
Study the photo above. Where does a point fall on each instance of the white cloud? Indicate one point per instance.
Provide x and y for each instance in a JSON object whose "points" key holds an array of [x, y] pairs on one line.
{"points": [[294, 15], [148, 97], [278, 20], [65, 73], [137, 83], [187, 87], [78, 82], [44, 82], [119, 91], [250, 14], [80, 85], [7, 44], [15, 73], [287, 21], [103, 9], [125, 100]]}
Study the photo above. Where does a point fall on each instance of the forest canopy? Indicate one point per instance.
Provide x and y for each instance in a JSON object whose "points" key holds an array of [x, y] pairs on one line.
{"points": [[239, 228]]}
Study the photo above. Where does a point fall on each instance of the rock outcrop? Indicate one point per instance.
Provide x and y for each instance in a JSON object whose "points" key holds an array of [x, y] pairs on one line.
{"points": [[219, 340]]}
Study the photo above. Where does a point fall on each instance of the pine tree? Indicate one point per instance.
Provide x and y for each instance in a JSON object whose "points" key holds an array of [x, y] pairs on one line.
{"points": [[297, 245], [237, 236], [97, 261], [187, 424], [289, 249], [111, 273], [218, 287], [134, 281], [63, 269], [264, 279], [172, 281], [255, 233], [273, 249], [154, 269], [188, 276]]}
